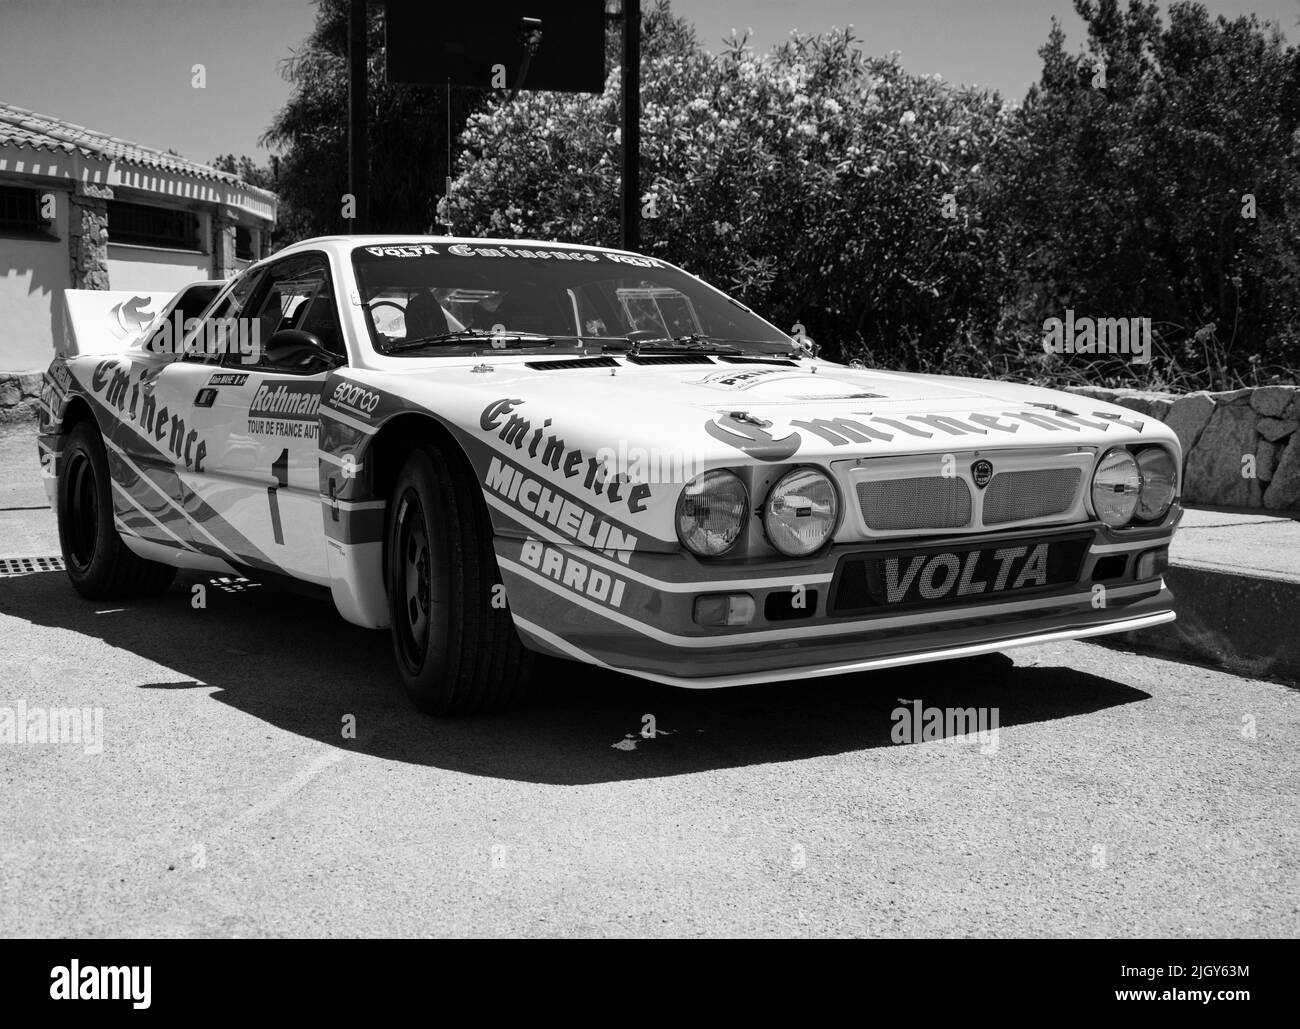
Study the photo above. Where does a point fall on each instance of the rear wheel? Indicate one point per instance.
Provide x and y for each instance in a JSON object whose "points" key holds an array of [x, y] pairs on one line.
{"points": [[456, 650], [99, 564]]}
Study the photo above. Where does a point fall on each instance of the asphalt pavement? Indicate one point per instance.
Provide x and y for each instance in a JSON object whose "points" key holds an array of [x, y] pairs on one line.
{"points": [[257, 771]]}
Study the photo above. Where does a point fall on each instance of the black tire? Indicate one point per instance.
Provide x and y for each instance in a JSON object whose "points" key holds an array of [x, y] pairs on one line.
{"points": [[456, 652], [99, 564]]}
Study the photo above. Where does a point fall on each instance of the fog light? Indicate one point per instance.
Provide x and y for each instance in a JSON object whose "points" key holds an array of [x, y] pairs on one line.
{"points": [[1151, 563], [724, 609]]}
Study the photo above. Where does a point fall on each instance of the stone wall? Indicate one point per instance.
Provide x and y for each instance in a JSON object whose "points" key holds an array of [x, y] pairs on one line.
{"points": [[224, 263], [18, 393], [88, 236], [1240, 448]]}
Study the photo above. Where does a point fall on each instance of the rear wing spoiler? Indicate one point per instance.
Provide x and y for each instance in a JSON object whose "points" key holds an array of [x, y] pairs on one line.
{"points": [[104, 321]]}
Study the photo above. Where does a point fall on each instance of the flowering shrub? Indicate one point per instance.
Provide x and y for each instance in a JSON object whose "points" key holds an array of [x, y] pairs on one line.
{"points": [[1155, 174], [817, 185]]}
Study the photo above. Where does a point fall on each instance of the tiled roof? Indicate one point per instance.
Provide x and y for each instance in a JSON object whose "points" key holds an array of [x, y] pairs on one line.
{"points": [[23, 128]]}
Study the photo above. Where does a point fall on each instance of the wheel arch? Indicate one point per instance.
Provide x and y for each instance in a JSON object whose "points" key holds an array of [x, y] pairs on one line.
{"points": [[397, 437], [76, 410], [357, 545]]}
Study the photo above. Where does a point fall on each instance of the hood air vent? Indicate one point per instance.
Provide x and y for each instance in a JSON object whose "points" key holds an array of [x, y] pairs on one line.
{"points": [[669, 359], [572, 362], [778, 362]]}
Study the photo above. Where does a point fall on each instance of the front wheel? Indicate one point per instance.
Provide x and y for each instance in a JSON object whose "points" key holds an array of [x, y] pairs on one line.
{"points": [[457, 650], [99, 564]]}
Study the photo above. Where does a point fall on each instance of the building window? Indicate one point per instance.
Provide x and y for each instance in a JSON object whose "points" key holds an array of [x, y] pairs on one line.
{"points": [[23, 212], [244, 244], [148, 226]]}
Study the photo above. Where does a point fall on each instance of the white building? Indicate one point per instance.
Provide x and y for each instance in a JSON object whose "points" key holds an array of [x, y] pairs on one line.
{"points": [[83, 210]]}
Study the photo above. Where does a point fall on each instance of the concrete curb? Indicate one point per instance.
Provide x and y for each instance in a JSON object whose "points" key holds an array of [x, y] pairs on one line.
{"points": [[1242, 623]]}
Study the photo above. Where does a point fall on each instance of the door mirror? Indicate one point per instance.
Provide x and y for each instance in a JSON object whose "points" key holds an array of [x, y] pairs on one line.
{"points": [[292, 350]]}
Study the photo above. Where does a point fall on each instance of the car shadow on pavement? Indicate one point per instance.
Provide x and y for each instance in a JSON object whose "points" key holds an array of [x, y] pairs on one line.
{"points": [[290, 661]]}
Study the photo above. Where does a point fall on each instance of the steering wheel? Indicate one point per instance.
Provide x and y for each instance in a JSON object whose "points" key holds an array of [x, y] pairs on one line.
{"points": [[371, 307], [384, 303]]}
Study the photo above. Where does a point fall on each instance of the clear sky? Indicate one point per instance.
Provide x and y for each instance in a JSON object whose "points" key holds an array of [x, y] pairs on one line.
{"points": [[124, 66]]}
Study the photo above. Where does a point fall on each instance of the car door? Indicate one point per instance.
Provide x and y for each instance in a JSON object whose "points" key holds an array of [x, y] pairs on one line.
{"points": [[182, 434], [256, 493]]}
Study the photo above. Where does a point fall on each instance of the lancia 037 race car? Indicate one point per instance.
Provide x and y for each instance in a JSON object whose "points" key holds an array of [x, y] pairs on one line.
{"points": [[503, 448]]}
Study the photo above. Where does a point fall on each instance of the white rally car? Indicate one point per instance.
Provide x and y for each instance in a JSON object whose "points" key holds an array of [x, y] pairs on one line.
{"points": [[501, 448]]}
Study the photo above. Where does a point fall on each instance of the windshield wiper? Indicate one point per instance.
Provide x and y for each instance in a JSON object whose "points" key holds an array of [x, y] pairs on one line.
{"points": [[643, 344], [464, 335]]}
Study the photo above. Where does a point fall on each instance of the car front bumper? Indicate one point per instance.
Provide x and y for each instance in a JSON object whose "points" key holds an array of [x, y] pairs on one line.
{"points": [[638, 617]]}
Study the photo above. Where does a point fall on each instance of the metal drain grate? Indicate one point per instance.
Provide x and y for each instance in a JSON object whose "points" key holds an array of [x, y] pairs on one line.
{"points": [[233, 584], [29, 565]]}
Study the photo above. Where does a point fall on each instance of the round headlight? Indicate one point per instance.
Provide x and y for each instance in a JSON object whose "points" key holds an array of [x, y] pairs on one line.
{"points": [[1115, 487], [1159, 478], [801, 512], [711, 512]]}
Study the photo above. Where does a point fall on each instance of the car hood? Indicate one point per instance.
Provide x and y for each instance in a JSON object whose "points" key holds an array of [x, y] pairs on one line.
{"points": [[767, 412]]}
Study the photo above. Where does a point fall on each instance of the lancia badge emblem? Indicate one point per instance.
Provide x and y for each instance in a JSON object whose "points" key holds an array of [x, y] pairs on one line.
{"points": [[981, 471]]}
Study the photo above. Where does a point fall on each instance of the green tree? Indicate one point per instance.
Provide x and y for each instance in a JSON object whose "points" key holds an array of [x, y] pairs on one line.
{"points": [[822, 187], [1125, 188], [248, 170], [407, 135]]}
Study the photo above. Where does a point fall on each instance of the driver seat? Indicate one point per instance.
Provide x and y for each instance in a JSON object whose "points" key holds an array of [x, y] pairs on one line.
{"points": [[425, 317]]}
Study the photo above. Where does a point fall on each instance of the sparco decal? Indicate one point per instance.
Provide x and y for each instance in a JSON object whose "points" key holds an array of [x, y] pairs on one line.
{"points": [[356, 399], [136, 401], [555, 509], [294, 407], [551, 451]]}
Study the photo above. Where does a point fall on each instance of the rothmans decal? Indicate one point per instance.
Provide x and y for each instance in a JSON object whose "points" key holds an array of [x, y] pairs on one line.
{"points": [[294, 405]]}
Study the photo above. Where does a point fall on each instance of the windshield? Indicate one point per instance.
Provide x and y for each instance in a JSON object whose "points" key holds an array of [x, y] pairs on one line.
{"points": [[427, 298]]}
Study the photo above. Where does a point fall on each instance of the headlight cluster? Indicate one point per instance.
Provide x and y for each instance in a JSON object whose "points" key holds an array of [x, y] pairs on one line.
{"points": [[800, 513], [1127, 486], [711, 512]]}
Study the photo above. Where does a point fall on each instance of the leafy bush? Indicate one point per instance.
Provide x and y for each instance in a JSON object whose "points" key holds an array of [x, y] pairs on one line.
{"points": [[897, 218], [810, 182], [1123, 194]]}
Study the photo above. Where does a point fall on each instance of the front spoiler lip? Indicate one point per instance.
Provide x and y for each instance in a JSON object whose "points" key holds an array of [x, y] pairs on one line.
{"points": [[864, 665]]}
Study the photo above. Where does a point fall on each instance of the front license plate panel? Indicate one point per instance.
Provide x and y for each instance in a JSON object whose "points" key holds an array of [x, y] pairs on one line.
{"points": [[943, 575]]}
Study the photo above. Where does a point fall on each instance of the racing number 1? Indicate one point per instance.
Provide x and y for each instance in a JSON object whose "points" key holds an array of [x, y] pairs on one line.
{"points": [[280, 471]]}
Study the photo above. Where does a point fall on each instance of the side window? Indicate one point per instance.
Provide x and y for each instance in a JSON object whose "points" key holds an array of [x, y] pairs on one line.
{"points": [[296, 293], [219, 332]]}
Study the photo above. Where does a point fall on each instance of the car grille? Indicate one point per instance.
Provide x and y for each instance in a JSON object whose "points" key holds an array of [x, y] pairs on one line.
{"points": [[917, 495], [1014, 496], [929, 502]]}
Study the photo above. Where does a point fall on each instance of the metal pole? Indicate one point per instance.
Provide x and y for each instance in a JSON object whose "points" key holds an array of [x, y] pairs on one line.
{"points": [[358, 144], [631, 125]]}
